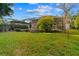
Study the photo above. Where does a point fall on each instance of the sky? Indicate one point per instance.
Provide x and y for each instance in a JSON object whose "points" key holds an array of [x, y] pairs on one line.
{"points": [[30, 10]]}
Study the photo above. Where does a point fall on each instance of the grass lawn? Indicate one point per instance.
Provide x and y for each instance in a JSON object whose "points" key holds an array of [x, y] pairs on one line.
{"points": [[41, 44]]}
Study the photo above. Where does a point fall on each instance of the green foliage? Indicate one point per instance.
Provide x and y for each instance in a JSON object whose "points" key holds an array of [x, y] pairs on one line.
{"points": [[1, 20], [75, 22], [5, 9], [45, 23]]}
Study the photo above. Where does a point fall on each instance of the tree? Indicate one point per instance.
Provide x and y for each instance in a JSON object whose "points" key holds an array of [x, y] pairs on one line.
{"points": [[45, 23], [75, 22], [5, 10], [1, 21], [66, 7]]}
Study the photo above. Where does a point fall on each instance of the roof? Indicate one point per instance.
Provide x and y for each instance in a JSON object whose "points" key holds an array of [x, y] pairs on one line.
{"points": [[19, 22]]}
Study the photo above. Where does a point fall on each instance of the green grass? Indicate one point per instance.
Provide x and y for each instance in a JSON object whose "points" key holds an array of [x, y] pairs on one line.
{"points": [[39, 44]]}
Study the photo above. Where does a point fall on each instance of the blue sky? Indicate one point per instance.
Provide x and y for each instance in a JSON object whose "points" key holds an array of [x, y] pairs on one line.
{"points": [[29, 10]]}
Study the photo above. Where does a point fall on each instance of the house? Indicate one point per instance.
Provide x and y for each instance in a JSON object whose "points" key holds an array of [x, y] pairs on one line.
{"points": [[58, 24], [19, 25], [33, 24]]}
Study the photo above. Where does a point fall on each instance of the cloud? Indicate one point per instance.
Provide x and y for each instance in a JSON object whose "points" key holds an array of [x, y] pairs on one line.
{"points": [[48, 13], [41, 10], [44, 8], [19, 8], [32, 3], [58, 9], [33, 11], [57, 4]]}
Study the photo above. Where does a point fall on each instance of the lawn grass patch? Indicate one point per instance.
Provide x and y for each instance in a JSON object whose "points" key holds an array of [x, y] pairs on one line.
{"points": [[38, 44]]}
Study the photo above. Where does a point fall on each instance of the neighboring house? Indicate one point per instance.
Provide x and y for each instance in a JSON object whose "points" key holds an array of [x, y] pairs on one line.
{"points": [[19, 25], [33, 24], [58, 24]]}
